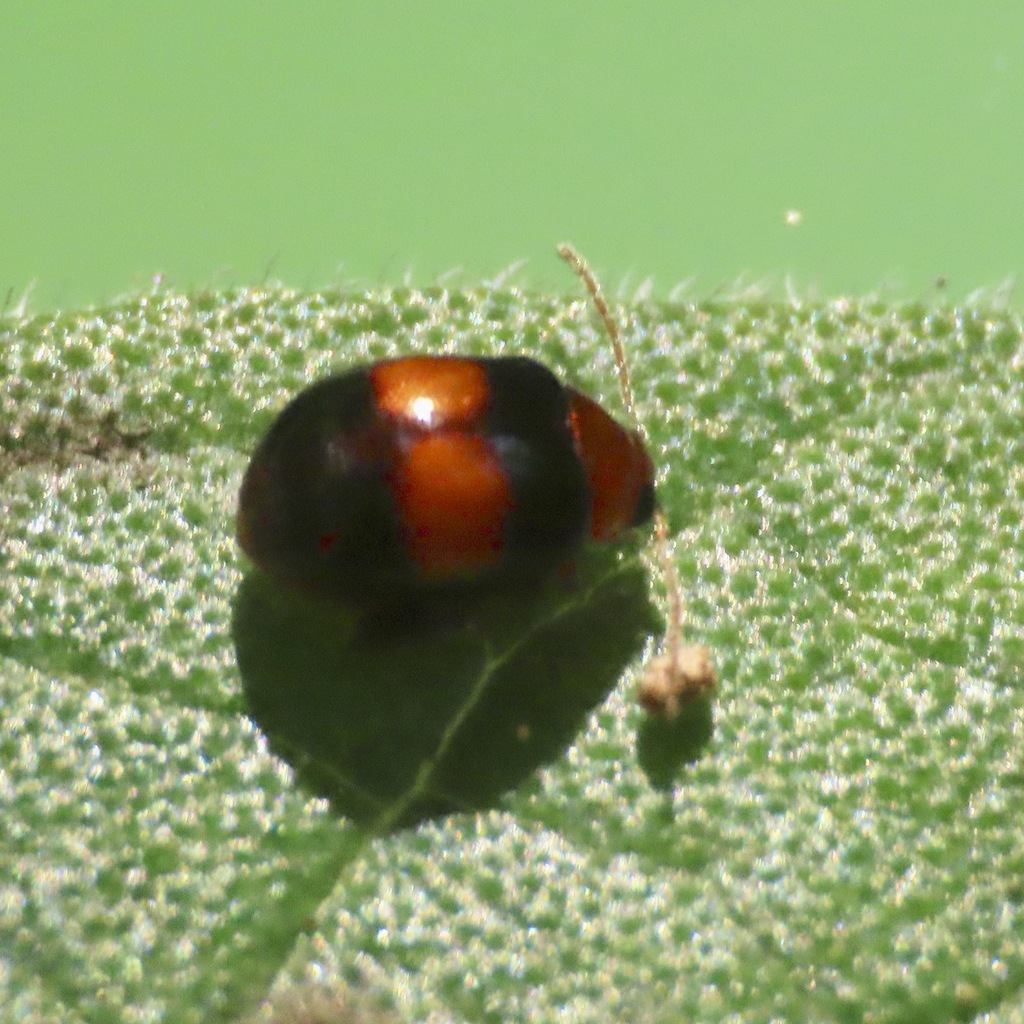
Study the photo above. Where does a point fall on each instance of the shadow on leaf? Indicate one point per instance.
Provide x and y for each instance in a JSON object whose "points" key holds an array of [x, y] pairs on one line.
{"points": [[664, 746], [398, 726]]}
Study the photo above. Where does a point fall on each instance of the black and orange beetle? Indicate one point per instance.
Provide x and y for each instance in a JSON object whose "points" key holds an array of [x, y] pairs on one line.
{"points": [[429, 473]]}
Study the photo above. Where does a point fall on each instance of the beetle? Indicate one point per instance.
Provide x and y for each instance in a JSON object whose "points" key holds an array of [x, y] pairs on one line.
{"points": [[414, 477]]}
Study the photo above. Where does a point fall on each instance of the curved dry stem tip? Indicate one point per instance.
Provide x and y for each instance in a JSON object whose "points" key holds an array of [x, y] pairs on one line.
{"points": [[585, 274], [681, 672]]}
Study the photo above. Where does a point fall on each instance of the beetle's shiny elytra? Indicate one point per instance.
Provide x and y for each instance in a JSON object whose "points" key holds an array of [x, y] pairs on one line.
{"points": [[416, 475]]}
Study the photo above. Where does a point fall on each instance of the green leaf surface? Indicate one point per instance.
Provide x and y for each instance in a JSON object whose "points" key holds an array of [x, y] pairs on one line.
{"points": [[846, 487]]}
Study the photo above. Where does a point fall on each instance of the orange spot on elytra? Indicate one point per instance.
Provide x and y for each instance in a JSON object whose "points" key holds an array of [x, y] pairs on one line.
{"points": [[431, 392], [454, 500]]}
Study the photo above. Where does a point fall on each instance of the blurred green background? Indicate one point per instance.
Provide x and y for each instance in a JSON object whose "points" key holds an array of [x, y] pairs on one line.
{"points": [[843, 147]]}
